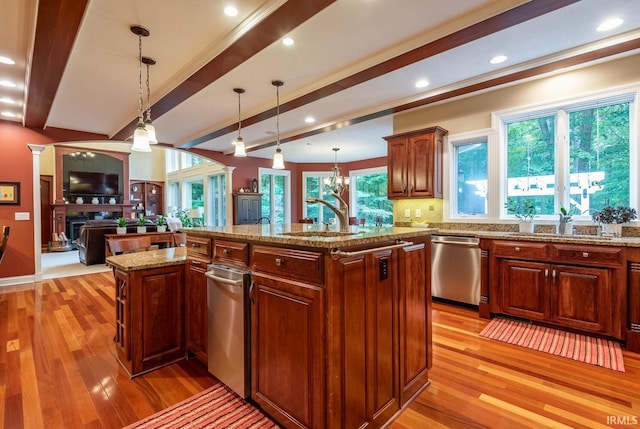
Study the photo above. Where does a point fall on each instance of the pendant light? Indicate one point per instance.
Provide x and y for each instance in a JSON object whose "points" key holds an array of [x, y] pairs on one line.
{"points": [[140, 136], [148, 125], [239, 142], [278, 159]]}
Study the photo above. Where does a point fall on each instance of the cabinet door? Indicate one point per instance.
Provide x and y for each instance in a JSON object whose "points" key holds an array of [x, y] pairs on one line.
{"points": [[248, 208], [287, 350], [421, 166], [153, 202], [364, 335], [581, 298], [196, 317], [397, 156], [525, 289], [415, 320]]}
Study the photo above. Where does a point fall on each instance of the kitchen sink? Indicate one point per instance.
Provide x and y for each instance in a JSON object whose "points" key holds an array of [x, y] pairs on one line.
{"points": [[321, 233]]}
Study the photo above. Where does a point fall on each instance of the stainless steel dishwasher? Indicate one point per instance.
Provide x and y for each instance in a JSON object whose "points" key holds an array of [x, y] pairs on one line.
{"points": [[229, 336], [455, 268]]}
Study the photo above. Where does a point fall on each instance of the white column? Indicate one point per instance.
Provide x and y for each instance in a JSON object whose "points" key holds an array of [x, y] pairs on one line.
{"points": [[228, 179], [36, 150]]}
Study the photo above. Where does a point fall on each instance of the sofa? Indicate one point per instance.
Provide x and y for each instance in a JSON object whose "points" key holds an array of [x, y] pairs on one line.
{"points": [[91, 238]]}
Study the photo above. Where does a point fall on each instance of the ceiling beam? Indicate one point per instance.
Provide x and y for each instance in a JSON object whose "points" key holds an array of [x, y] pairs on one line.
{"points": [[275, 26], [56, 29], [509, 18]]}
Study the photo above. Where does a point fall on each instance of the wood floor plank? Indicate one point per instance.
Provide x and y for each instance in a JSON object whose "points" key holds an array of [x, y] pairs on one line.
{"points": [[58, 369]]}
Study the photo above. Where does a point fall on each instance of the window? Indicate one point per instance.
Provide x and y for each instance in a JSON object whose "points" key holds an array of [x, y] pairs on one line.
{"points": [[471, 178], [313, 186], [216, 215], [369, 201], [195, 193], [275, 186], [589, 171], [173, 197]]}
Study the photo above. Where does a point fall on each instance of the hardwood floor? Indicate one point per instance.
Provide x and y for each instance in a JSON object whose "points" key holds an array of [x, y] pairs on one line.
{"points": [[58, 370]]}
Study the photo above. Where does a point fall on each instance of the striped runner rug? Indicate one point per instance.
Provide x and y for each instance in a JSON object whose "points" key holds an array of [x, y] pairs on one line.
{"points": [[216, 407], [595, 351]]}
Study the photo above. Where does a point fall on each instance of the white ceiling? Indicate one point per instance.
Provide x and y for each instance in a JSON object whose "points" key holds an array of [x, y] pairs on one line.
{"points": [[98, 91]]}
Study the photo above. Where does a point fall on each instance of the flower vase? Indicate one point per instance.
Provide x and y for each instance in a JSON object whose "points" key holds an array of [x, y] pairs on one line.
{"points": [[612, 229], [526, 227], [121, 230]]}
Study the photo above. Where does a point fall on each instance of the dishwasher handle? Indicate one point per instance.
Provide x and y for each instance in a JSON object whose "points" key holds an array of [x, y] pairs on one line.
{"points": [[468, 242], [223, 280]]}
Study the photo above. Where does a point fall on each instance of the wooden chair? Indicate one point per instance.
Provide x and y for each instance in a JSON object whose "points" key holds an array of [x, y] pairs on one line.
{"points": [[128, 245], [356, 221], [264, 220], [305, 220], [180, 239]]}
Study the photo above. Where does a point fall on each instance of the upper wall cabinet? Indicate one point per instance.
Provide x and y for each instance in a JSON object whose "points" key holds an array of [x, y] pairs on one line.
{"points": [[415, 164]]}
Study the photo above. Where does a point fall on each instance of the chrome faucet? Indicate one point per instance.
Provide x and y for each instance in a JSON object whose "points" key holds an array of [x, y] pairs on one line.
{"points": [[342, 212]]}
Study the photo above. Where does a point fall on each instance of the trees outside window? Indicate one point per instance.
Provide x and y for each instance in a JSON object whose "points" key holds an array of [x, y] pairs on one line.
{"points": [[471, 178]]}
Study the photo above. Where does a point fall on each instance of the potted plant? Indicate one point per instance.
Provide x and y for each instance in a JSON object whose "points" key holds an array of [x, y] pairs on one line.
{"points": [[142, 222], [122, 226], [565, 217], [611, 219], [524, 210], [161, 223]]}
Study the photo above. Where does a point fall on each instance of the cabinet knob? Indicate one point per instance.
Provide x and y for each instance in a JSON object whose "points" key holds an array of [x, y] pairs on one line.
{"points": [[517, 249], [225, 252], [279, 262], [585, 254]]}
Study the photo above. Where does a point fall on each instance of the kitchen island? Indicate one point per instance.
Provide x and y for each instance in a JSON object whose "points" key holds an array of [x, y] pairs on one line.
{"points": [[341, 328]]}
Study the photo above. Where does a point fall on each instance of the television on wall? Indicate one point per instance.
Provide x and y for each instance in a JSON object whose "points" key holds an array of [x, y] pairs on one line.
{"points": [[93, 183]]}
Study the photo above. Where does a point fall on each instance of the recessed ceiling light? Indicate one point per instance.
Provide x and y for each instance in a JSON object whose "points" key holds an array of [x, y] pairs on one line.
{"points": [[7, 84], [230, 11], [610, 24], [9, 115], [6, 60], [498, 59], [288, 41], [422, 83], [6, 100], [309, 119]]}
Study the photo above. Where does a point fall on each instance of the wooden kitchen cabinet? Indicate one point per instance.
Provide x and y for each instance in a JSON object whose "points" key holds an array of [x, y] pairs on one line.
{"points": [[415, 163], [149, 318], [196, 313], [247, 208], [574, 286], [287, 350]]}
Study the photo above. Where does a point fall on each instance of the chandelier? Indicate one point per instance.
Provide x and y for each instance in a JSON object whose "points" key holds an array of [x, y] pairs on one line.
{"points": [[336, 183]]}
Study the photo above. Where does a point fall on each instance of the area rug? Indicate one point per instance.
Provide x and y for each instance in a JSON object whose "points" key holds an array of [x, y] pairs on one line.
{"points": [[216, 407], [595, 351]]}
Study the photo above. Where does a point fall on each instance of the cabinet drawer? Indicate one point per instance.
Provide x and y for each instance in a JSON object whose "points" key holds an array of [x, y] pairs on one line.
{"points": [[199, 246], [295, 264], [599, 255], [231, 252], [519, 249]]}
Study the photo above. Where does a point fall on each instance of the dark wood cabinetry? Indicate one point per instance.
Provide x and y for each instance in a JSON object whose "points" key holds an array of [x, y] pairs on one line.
{"points": [[247, 208], [147, 198], [415, 164], [196, 316], [574, 286], [149, 318]]}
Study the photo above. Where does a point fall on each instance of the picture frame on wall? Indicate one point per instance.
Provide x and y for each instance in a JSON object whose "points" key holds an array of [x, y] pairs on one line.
{"points": [[10, 193]]}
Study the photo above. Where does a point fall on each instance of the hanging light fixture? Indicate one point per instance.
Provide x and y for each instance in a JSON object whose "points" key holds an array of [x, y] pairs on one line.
{"points": [[148, 125], [239, 142], [140, 136], [336, 183], [278, 159]]}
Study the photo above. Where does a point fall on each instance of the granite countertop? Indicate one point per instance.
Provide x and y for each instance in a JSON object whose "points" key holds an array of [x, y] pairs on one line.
{"points": [[548, 237], [149, 259], [310, 235]]}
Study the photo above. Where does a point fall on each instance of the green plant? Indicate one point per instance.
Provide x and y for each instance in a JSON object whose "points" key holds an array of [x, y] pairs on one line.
{"points": [[565, 215], [142, 221], [160, 221], [610, 214], [183, 215], [122, 222], [522, 209]]}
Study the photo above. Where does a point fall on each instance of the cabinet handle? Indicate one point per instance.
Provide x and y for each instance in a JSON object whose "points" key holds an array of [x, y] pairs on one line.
{"points": [[251, 292], [585, 254], [404, 187], [546, 273], [225, 252], [553, 275], [517, 249], [196, 263], [279, 262]]}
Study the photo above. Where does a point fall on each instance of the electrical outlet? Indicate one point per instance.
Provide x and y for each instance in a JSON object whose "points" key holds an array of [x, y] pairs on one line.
{"points": [[418, 212], [407, 212]]}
